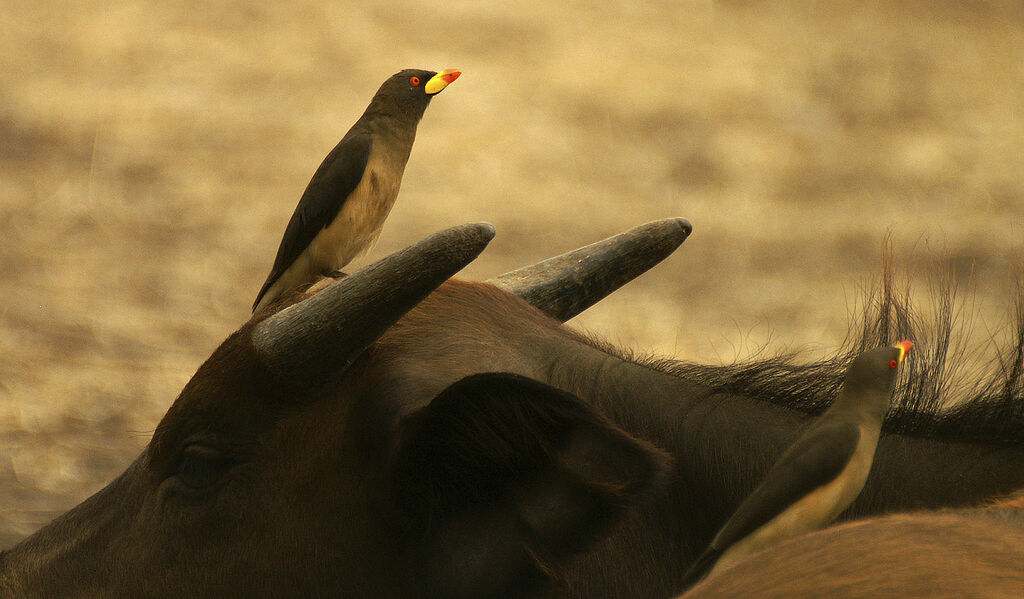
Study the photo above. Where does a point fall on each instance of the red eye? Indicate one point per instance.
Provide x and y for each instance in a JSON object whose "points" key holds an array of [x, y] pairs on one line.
{"points": [[415, 80], [892, 363]]}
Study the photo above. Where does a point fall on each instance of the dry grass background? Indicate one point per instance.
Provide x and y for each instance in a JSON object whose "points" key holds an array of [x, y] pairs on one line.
{"points": [[151, 153]]}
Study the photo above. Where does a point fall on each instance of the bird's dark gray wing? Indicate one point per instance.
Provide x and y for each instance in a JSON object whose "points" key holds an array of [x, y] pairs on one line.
{"points": [[332, 183], [812, 461]]}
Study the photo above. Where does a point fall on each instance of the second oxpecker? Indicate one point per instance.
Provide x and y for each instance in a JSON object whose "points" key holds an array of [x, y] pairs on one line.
{"points": [[820, 474]]}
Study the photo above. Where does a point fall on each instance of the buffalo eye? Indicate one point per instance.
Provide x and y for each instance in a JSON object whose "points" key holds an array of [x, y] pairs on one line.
{"points": [[201, 467]]}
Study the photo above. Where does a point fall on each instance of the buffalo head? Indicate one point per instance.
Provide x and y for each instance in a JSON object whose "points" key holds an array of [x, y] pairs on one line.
{"points": [[302, 461]]}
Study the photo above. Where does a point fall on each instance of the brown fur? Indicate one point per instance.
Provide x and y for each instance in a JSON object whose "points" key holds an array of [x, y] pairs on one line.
{"points": [[951, 555], [462, 321]]}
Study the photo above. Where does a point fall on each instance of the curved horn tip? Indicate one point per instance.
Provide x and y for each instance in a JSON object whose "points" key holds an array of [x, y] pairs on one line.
{"points": [[668, 229], [484, 230], [565, 285], [685, 225]]}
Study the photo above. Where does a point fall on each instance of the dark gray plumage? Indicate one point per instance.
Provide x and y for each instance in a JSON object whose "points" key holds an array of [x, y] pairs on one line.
{"points": [[820, 474], [344, 206]]}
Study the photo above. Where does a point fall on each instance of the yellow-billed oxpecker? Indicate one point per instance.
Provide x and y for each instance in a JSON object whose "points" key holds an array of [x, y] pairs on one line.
{"points": [[820, 474], [344, 206]]}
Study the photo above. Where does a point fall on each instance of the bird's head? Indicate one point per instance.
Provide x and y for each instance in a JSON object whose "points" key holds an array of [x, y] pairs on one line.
{"points": [[871, 376], [409, 91]]}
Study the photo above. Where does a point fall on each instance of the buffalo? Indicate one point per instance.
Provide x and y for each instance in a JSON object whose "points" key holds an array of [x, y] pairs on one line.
{"points": [[400, 433]]}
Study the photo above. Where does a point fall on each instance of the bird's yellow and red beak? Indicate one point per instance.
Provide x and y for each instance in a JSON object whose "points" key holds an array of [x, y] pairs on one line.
{"points": [[904, 347], [441, 81]]}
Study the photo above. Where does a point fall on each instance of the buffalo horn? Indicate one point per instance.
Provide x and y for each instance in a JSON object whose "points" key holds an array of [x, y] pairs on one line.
{"points": [[566, 285], [326, 332]]}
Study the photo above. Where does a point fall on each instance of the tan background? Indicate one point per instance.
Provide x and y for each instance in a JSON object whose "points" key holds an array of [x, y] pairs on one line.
{"points": [[151, 154]]}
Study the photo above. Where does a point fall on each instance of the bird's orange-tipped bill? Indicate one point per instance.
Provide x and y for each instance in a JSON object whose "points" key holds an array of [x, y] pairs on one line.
{"points": [[441, 81], [904, 347]]}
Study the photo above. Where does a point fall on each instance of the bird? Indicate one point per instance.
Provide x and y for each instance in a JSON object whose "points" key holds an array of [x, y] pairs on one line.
{"points": [[820, 474], [342, 210]]}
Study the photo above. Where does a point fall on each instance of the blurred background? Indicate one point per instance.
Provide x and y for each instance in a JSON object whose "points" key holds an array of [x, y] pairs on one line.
{"points": [[151, 154]]}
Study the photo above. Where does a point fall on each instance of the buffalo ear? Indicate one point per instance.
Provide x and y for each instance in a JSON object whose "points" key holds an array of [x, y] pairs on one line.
{"points": [[501, 479]]}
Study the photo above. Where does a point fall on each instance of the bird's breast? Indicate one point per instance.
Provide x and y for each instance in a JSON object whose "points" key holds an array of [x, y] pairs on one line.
{"points": [[814, 510], [824, 504], [358, 224]]}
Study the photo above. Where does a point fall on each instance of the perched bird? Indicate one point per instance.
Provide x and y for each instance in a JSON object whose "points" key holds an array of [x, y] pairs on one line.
{"points": [[820, 474], [344, 206]]}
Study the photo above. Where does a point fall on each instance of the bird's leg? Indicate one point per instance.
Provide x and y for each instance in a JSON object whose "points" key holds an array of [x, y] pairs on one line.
{"points": [[328, 277]]}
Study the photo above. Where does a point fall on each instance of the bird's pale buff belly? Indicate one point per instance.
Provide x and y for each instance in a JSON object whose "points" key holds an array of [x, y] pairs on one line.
{"points": [[818, 508], [355, 229]]}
